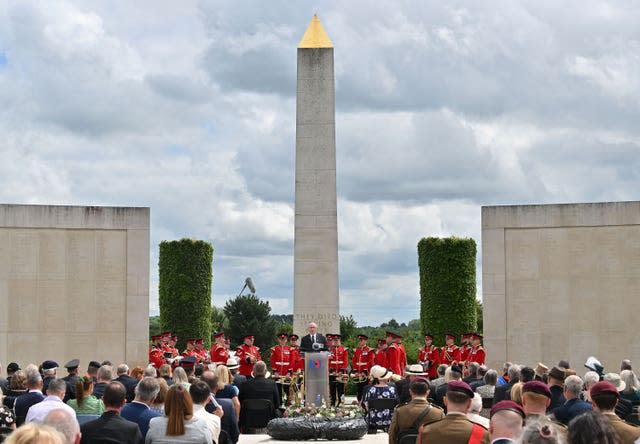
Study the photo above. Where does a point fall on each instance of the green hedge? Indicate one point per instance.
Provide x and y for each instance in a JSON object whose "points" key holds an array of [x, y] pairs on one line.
{"points": [[447, 286], [185, 289]]}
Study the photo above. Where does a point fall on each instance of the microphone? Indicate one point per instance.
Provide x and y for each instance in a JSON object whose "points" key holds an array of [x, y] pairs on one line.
{"points": [[249, 283]]}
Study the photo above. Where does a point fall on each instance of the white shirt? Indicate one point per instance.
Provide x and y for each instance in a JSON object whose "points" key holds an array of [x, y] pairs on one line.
{"points": [[213, 422], [38, 411]]}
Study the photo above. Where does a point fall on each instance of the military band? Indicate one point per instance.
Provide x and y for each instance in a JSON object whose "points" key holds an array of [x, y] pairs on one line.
{"points": [[287, 361]]}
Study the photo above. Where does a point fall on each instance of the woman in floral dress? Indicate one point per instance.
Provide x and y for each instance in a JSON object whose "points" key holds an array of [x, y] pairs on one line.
{"points": [[7, 419], [379, 419]]}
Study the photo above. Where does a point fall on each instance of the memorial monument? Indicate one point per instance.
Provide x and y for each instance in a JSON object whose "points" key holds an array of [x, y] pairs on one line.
{"points": [[316, 227], [561, 282], [74, 283]]}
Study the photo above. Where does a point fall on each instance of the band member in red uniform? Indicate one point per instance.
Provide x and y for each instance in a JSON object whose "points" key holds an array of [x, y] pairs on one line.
{"points": [[172, 345], [465, 348], [248, 354], [219, 350], [477, 352], [297, 361], [190, 350], [394, 354], [429, 357], [338, 363], [403, 355], [361, 364], [156, 355], [380, 357], [202, 355], [281, 356], [450, 353]]}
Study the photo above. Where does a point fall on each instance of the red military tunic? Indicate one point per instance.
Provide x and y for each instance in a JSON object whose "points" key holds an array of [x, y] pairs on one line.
{"points": [[156, 357], [297, 361], [363, 359], [450, 354], [202, 356], [380, 358], [219, 354], [465, 350], [403, 358], [477, 355], [339, 359], [248, 355], [281, 359], [394, 359], [429, 357]]}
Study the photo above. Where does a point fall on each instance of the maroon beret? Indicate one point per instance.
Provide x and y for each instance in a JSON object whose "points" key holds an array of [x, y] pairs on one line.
{"points": [[536, 387], [507, 405], [603, 387], [460, 386]]}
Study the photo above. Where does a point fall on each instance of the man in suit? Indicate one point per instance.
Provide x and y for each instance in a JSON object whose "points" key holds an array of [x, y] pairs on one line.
{"points": [[503, 391], [128, 381], [139, 410], [405, 415], [455, 374], [506, 422], [33, 396], [111, 427], [573, 405], [455, 428], [260, 387], [306, 344]]}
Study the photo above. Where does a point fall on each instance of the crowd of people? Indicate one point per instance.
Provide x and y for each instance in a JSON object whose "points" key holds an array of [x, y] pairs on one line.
{"points": [[448, 396]]}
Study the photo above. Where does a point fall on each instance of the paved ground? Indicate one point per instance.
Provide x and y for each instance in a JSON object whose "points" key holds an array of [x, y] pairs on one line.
{"points": [[378, 438]]}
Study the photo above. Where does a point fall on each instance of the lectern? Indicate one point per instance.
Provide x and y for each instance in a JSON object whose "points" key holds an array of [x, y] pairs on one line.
{"points": [[316, 377]]}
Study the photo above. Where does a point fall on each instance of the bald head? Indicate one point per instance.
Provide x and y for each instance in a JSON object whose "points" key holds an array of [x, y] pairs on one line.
{"points": [[66, 424], [505, 424]]}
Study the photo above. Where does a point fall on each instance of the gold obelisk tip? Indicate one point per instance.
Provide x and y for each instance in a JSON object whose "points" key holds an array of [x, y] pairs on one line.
{"points": [[315, 36]]}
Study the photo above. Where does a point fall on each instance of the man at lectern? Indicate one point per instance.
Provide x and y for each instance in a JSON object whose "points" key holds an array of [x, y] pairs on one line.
{"points": [[314, 341]]}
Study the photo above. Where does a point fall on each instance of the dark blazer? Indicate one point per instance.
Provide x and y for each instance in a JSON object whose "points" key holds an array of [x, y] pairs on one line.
{"points": [[23, 403], [140, 414], [503, 392], [229, 421], [98, 389], [570, 409], [130, 384], [306, 344], [110, 428], [260, 388], [557, 397]]}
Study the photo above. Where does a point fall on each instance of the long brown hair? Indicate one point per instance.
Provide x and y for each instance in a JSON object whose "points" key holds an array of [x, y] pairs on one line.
{"points": [[177, 407], [82, 386]]}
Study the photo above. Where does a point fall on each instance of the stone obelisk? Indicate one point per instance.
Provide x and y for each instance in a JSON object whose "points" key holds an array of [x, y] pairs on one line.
{"points": [[316, 228]]}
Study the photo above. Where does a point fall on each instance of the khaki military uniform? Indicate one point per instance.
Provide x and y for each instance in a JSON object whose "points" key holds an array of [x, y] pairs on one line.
{"points": [[626, 432], [455, 428], [404, 415]]}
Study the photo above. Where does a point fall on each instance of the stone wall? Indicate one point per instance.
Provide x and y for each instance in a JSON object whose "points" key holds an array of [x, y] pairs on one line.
{"points": [[561, 281], [74, 283]]}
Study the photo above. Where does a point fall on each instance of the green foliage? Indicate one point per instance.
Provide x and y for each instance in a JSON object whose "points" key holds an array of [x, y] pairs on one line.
{"points": [[283, 327], [247, 314], [154, 325], [185, 289], [219, 320], [447, 285], [348, 327], [480, 325]]}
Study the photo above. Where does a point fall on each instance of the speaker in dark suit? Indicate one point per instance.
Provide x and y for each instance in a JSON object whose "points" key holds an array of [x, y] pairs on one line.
{"points": [[308, 341]]}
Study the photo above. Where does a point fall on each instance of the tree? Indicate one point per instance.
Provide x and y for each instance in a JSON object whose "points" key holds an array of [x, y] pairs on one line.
{"points": [[348, 327], [247, 314], [154, 325], [185, 289], [447, 285], [218, 319]]}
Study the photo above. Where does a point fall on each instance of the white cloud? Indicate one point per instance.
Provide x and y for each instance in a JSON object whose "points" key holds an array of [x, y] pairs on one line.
{"points": [[189, 108]]}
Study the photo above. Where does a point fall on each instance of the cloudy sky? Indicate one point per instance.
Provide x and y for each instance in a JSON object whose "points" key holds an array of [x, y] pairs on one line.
{"points": [[189, 108]]}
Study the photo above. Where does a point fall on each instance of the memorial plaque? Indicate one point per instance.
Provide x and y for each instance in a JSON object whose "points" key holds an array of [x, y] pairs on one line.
{"points": [[80, 255], [52, 254]]}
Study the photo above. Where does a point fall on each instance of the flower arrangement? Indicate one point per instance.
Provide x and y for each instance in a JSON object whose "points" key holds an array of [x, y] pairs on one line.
{"points": [[323, 411]]}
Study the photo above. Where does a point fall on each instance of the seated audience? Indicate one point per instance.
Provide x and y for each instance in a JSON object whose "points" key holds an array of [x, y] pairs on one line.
{"points": [[34, 433], [573, 405], [506, 422], [631, 391], [139, 410], [111, 427], [604, 397], [591, 427], [178, 425], [65, 423], [85, 403], [53, 401]]}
